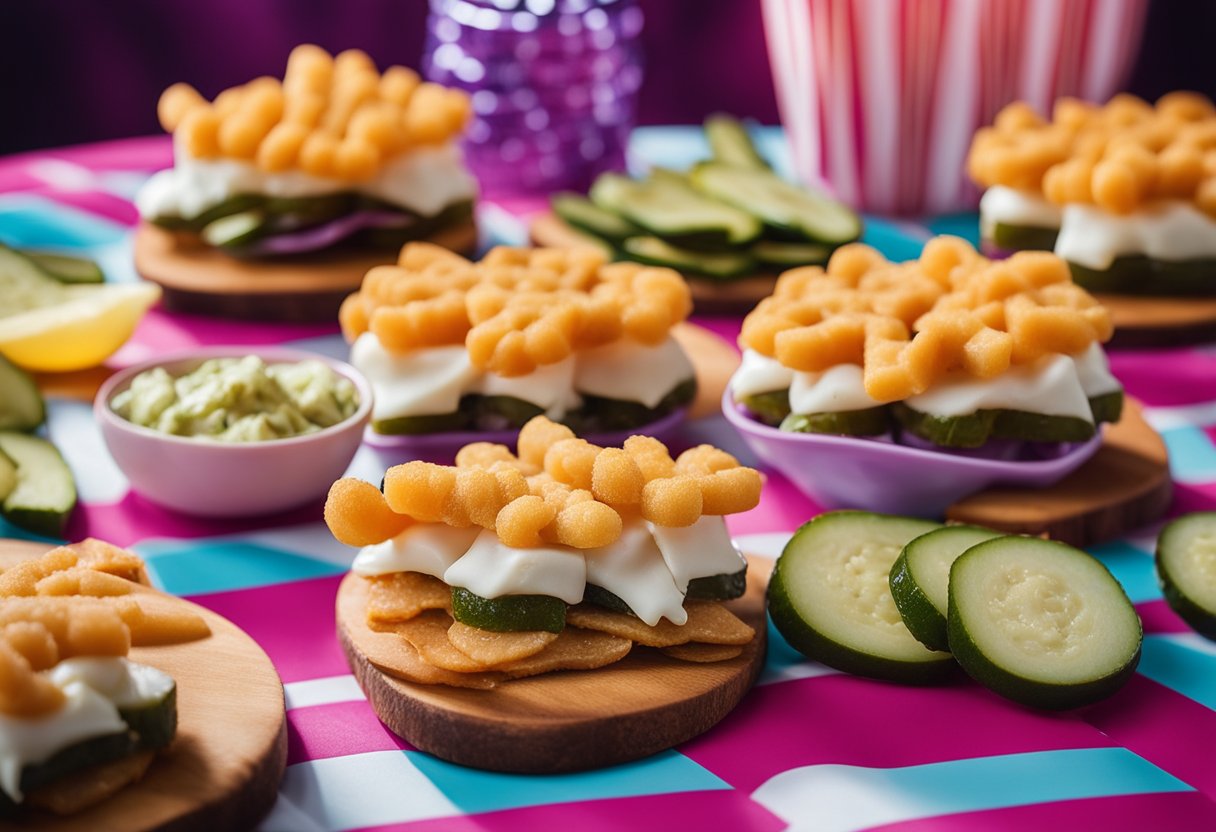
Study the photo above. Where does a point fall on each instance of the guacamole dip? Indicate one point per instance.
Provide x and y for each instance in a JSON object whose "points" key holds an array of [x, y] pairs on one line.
{"points": [[239, 400]]}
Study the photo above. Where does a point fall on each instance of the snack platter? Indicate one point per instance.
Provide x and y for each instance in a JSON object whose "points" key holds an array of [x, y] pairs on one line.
{"points": [[756, 739]]}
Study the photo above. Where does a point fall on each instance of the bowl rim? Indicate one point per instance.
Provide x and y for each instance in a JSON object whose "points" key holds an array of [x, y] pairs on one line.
{"points": [[113, 385], [1016, 468]]}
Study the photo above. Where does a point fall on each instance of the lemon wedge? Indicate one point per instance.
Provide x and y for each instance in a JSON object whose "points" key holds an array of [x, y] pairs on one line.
{"points": [[85, 326]]}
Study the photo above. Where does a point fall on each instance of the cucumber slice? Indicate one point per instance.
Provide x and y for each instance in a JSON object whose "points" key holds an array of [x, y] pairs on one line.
{"points": [[1107, 408], [21, 405], [871, 421], [722, 587], [1186, 567], [67, 269], [583, 214], [609, 600], [975, 429], [45, 493], [656, 252], [830, 597], [236, 230], [599, 414], [1041, 623], [770, 408], [232, 205], [790, 255], [503, 412], [1024, 237], [675, 212], [730, 143], [8, 476], [154, 722], [920, 580], [778, 203], [21, 267], [509, 613], [428, 423]]}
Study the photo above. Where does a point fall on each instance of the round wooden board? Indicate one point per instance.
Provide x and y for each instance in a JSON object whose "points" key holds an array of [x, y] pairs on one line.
{"points": [[709, 296], [199, 279], [223, 770], [1142, 321], [1124, 486], [564, 721], [714, 361]]}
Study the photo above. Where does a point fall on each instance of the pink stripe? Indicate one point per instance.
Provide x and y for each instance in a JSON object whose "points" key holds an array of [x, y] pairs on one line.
{"points": [[133, 519], [1190, 497], [163, 332], [146, 153], [98, 203], [1158, 618], [1172, 731], [294, 624], [726, 328], [1191, 378], [903, 726], [684, 810], [1125, 813], [782, 508], [337, 730]]}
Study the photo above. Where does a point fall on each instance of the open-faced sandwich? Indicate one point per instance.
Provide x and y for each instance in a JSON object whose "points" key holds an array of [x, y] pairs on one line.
{"points": [[1125, 192], [451, 345], [334, 156], [560, 558], [946, 352], [729, 224], [79, 721]]}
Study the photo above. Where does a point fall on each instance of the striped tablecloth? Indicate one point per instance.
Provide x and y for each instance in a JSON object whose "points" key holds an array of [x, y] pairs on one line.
{"points": [[809, 748]]}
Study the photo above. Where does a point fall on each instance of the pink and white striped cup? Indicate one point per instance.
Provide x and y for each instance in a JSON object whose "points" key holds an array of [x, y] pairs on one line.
{"points": [[880, 98]]}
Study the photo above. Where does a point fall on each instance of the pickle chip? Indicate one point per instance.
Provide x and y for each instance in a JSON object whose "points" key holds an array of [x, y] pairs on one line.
{"points": [[403, 595], [493, 649], [708, 622], [703, 653]]}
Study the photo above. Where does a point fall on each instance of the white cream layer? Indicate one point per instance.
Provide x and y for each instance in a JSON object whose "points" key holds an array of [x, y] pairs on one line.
{"points": [[758, 374], [425, 181], [431, 381], [648, 566], [1089, 236], [834, 390]]}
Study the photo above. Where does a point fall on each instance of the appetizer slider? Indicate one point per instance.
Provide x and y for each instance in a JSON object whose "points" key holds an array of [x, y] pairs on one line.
{"points": [[78, 719], [334, 153], [452, 345], [559, 558], [1125, 192], [949, 351]]}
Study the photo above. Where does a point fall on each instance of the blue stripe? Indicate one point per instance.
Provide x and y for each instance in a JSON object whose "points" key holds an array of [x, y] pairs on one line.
{"points": [[965, 225], [198, 567], [476, 791], [1192, 455], [1180, 667], [892, 240], [1131, 567], [34, 222]]}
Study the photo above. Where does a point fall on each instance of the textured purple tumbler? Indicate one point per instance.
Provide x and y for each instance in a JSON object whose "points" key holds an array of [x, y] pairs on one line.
{"points": [[554, 86]]}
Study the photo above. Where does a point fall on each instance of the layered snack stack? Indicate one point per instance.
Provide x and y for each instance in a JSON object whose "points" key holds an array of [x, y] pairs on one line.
{"points": [[562, 557], [453, 345], [952, 351], [1125, 192], [335, 153]]}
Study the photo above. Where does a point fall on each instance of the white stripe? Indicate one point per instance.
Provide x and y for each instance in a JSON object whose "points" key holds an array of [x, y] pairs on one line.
{"points": [[803, 670], [324, 691], [71, 426], [765, 544], [1182, 416], [372, 789], [1191, 641]]}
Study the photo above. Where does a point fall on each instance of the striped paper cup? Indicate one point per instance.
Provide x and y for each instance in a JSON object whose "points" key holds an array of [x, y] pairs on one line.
{"points": [[880, 98]]}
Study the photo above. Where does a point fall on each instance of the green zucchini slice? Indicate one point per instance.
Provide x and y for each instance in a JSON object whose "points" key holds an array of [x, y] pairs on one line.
{"points": [[780, 204], [675, 212], [1186, 567], [1041, 623], [872, 421], [718, 264], [790, 255], [830, 597], [920, 580], [8, 476], [974, 429], [730, 143], [584, 215], [509, 613], [45, 493], [21, 405], [1023, 237]]}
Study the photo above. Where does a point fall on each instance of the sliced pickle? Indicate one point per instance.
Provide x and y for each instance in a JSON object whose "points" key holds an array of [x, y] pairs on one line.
{"points": [[871, 421], [770, 408], [975, 429], [1024, 237]]}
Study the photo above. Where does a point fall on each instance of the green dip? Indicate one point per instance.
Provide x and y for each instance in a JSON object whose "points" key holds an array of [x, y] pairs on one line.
{"points": [[19, 293], [239, 400]]}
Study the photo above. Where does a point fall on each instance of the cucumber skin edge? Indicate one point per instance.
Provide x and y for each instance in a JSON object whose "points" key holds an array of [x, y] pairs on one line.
{"points": [[1200, 620], [923, 620]]}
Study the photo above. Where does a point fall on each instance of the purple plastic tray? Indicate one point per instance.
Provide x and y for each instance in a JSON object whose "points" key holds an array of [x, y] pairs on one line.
{"points": [[845, 472], [442, 447]]}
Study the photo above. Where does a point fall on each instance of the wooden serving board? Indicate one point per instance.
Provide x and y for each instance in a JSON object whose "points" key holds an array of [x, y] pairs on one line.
{"points": [[1124, 486], [563, 721], [223, 770], [1142, 321], [200, 279], [709, 296]]}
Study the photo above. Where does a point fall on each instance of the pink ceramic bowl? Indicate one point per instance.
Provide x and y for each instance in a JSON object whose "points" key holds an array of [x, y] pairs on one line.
{"points": [[230, 479], [844, 472]]}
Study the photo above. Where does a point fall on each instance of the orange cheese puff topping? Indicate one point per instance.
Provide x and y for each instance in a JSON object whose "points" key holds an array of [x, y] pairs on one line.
{"points": [[24, 693], [357, 514]]}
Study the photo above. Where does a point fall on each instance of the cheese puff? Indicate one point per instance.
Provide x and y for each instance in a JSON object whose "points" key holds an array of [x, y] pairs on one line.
{"points": [[616, 478], [309, 69], [318, 154], [651, 456], [704, 459], [419, 489], [674, 501], [512, 484], [586, 525], [571, 461], [175, 103], [24, 693], [198, 133], [358, 515], [356, 159], [483, 455], [730, 491], [519, 523], [479, 497], [398, 84], [22, 578], [95, 630], [33, 641], [537, 436], [352, 317], [281, 147], [304, 109]]}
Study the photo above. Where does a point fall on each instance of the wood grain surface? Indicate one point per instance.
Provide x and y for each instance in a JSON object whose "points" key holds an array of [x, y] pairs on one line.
{"points": [[563, 721], [710, 296], [223, 769], [200, 279], [1124, 486], [1142, 321]]}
